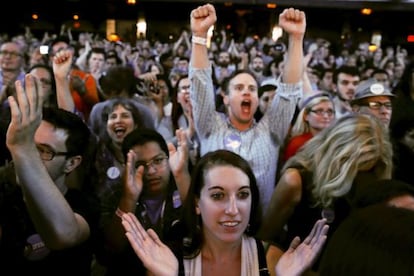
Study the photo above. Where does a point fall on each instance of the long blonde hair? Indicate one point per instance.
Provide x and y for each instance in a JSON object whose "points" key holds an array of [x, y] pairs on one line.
{"points": [[335, 156]]}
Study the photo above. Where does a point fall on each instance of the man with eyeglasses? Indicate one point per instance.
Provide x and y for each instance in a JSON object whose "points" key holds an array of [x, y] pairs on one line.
{"points": [[46, 228], [11, 68], [155, 184], [373, 97]]}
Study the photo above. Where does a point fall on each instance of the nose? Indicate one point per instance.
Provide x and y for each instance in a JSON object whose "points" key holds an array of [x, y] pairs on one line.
{"points": [[117, 118], [150, 169], [246, 90], [231, 208]]}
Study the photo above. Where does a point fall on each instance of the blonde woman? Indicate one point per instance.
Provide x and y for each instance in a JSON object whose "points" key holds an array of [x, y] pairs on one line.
{"points": [[319, 180], [317, 112]]}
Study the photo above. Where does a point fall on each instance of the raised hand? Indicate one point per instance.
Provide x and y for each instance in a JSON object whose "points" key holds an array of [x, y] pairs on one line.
{"points": [[293, 21], [301, 256], [202, 18], [179, 163], [133, 180], [178, 159], [62, 63], [26, 113], [155, 255]]}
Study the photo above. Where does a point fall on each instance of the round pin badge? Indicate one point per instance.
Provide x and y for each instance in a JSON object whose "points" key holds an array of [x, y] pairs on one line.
{"points": [[232, 141], [113, 172], [377, 89]]}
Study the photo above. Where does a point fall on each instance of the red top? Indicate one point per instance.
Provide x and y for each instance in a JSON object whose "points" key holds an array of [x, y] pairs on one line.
{"points": [[294, 144], [85, 102]]}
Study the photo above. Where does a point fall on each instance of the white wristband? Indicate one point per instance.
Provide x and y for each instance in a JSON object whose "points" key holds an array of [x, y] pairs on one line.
{"points": [[199, 40]]}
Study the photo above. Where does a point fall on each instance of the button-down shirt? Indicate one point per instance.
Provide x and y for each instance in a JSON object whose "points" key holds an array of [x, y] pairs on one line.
{"points": [[259, 144]]}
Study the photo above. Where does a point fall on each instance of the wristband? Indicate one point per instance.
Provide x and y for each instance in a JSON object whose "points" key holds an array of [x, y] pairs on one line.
{"points": [[199, 40]]}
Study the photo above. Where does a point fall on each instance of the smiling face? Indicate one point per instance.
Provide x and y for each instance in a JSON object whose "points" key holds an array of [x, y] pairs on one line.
{"points": [[224, 204], [120, 123], [183, 94], [242, 100]]}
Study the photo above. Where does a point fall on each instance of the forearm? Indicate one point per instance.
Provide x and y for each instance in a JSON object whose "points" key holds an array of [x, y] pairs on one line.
{"points": [[202, 97], [199, 54], [52, 216], [64, 97], [293, 69], [114, 231], [183, 180]]}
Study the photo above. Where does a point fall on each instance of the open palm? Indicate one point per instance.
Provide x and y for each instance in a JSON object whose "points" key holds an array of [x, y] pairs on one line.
{"points": [[154, 254]]}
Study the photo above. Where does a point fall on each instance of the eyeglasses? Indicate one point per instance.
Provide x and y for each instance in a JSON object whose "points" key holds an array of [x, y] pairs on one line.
{"points": [[377, 105], [47, 154], [156, 163], [11, 54], [321, 112], [265, 99], [45, 81], [184, 88]]}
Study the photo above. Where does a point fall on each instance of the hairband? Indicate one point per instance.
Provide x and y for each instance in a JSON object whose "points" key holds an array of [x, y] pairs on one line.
{"points": [[314, 96]]}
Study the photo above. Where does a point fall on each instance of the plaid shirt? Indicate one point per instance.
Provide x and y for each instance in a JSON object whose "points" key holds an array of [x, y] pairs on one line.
{"points": [[260, 144]]}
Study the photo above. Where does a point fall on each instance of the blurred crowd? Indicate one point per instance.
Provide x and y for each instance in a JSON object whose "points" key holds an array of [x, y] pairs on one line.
{"points": [[214, 144]]}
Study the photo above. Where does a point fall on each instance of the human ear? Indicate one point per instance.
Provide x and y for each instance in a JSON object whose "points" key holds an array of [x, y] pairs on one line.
{"points": [[197, 209], [72, 163], [226, 99]]}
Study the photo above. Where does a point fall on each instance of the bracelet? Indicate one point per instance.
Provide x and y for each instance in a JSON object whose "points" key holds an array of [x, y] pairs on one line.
{"points": [[119, 212], [199, 40]]}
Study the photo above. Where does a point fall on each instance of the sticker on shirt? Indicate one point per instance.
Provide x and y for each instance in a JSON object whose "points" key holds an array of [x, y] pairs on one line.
{"points": [[35, 248], [176, 200], [113, 172], [232, 142]]}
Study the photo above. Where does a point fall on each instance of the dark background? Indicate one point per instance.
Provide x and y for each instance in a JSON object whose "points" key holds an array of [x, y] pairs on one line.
{"points": [[334, 20]]}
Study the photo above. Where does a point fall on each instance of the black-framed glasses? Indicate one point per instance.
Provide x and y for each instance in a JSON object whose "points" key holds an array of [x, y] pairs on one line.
{"points": [[45, 81], [185, 88], [377, 105], [156, 163], [47, 154], [265, 99], [321, 112], [12, 54]]}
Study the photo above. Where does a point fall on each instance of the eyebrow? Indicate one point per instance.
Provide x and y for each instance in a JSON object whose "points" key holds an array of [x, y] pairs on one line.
{"points": [[221, 188], [49, 147], [152, 158], [45, 145]]}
